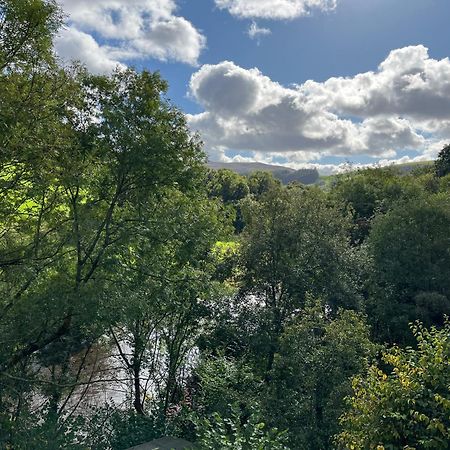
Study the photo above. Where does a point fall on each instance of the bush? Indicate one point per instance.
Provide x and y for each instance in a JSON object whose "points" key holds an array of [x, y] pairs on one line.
{"points": [[407, 407], [233, 433]]}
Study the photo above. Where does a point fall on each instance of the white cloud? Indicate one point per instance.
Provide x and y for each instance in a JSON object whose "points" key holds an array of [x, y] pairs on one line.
{"points": [[256, 32], [384, 135], [274, 9], [408, 83], [123, 19], [174, 38], [83, 47], [129, 29], [404, 105]]}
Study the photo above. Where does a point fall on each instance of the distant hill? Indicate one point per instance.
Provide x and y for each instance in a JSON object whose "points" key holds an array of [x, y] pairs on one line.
{"points": [[305, 176], [409, 167], [284, 174]]}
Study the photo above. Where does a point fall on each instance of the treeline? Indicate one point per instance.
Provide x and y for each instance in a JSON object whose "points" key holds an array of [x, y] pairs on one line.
{"points": [[143, 295]]}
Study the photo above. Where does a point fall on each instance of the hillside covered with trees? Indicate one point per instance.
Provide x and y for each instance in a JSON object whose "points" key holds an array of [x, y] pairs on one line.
{"points": [[284, 174], [145, 295]]}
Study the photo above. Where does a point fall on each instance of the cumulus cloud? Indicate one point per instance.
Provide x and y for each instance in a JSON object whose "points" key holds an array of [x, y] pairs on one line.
{"points": [[403, 105], [83, 47], [274, 9], [128, 29], [408, 82]]}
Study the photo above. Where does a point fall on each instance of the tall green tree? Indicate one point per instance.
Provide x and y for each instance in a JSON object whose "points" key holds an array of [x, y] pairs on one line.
{"points": [[26, 33], [95, 192], [442, 163], [410, 250], [167, 276], [82, 160], [295, 243], [227, 185], [230, 187], [311, 376], [370, 192], [260, 182]]}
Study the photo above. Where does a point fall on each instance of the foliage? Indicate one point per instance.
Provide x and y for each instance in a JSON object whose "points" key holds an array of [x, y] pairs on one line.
{"points": [[261, 182], [92, 201], [370, 192], [230, 433], [226, 255], [442, 164], [26, 32], [120, 273], [406, 405], [224, 381], [83, 160], [311, 376], [289, 234], [166, 276], [227, 185], [296, 242], [36, 429], [230, 187], [409, 246], [111, 428]]}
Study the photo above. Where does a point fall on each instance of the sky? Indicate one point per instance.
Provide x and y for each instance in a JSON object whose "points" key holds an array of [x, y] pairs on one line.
{"points": [[299, 83]]}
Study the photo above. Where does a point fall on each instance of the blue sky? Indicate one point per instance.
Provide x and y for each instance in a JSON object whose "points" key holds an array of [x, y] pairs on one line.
{"points": [[354, 38], [251, 99]]}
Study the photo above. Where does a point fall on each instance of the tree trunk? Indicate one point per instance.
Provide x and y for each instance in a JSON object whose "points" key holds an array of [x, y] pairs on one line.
{"points": [[137, 403]]}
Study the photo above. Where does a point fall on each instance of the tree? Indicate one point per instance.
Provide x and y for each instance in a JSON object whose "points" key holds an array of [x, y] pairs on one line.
{"points": [[82, 160], [227, 185], [95, 190], [295, 243], [370, 192], [32, 89], [26, 33], [231, 188], [410, 250], [260, 182], [406, 402], [167, 275], [224, 386], [442, 163], [318, 355]]}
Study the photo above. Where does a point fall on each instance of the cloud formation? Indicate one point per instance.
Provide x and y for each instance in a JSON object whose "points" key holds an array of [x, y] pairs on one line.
{"points": [[78, 46], [403, 105], [274, 9], [408, 82], [127, 30], [256, 32]]}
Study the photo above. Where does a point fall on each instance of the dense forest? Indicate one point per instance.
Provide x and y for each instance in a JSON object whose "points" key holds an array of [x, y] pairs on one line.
{"points": [[143, 294]]}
